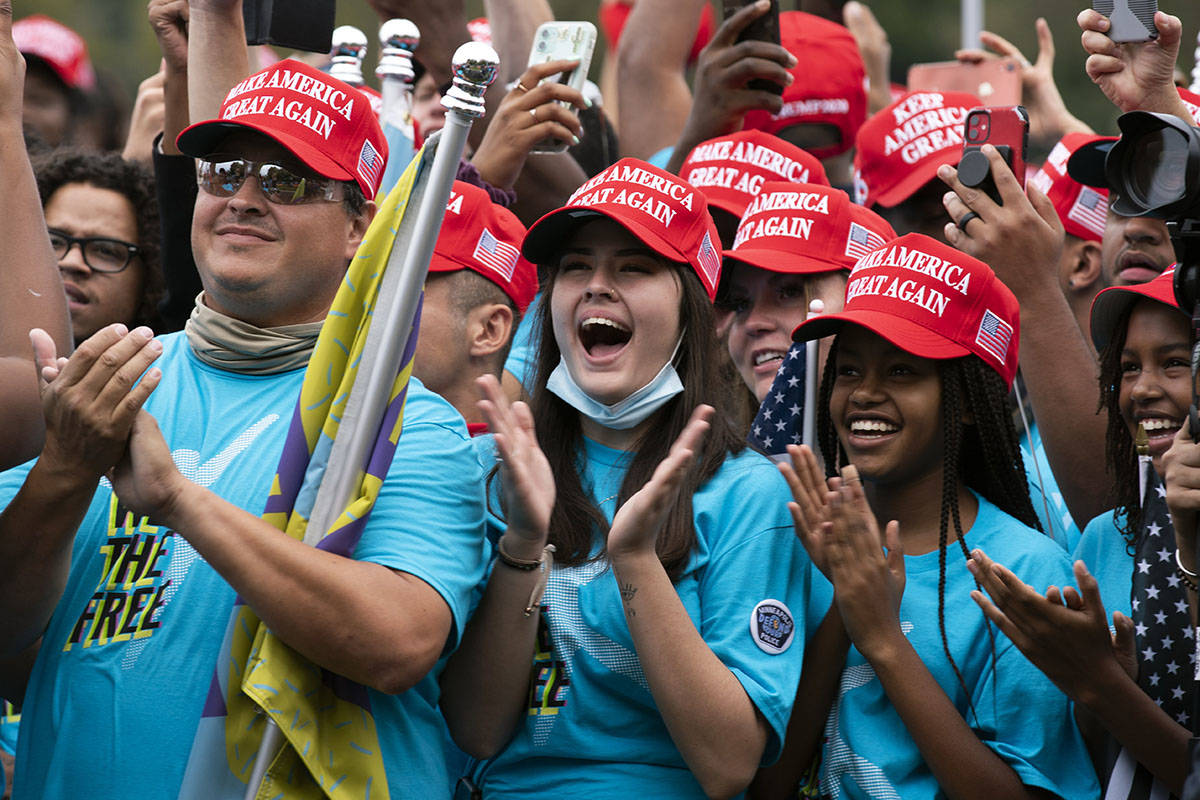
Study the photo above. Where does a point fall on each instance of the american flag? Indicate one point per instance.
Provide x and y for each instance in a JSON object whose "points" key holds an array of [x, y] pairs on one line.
{"points": [[994, 335], [780, 419], [370, 166], [499, 256], [1090, 210], [710, 262], [861, 241]]}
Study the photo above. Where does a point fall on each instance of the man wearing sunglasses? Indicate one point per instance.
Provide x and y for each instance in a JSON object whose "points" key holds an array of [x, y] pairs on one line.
{"points": [[130, 591]]}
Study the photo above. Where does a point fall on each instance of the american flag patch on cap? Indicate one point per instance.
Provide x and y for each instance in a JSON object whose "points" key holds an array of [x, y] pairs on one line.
{"points": [[994, 335], [1090, 210], [861, 241], [370, 165], [710, 262], [496, 255]]}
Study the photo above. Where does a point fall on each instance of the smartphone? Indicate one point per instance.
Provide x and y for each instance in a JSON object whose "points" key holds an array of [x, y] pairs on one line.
{"points": [[763, 29], [563, 41], [1004, 127], [1131, 20], [996, 81], [297, 25]]}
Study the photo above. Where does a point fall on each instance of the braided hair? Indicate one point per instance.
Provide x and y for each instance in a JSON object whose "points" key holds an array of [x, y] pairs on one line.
{"points": [[1120, 456], [983, 454]]}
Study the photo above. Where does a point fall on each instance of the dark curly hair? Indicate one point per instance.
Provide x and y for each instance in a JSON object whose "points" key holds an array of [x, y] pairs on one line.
{"points": [[57, 168]]}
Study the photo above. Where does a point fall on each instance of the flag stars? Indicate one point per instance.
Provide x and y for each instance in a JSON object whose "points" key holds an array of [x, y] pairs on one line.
{"points": [[1152, 592], [1172, 668], [1154, 679], [1160, 617], [1148, 654], [1177, 693], [780, 425], [1141, 629], [1181, 606], [1164, 554], [794, 410], [793, 381], [1143, 566], [778, 397], [1154, 528]]}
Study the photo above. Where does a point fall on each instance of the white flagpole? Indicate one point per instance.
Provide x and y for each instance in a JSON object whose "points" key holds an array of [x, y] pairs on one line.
{"points": [[812, 380], [971, 22]]}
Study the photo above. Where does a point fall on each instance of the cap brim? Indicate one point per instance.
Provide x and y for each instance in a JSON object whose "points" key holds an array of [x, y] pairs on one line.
{"points": [[904, 334], [550, 232], [782, 261], [1086, 165], [203, 138], [913, 180], [1110, 304]]}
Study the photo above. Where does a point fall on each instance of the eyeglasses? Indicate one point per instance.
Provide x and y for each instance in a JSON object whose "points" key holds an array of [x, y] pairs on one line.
{"points": [[223, 176], [99, 253]]}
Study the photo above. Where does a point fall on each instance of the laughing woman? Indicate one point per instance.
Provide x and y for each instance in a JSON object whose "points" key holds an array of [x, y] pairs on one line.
{"points": [[666, 648]]}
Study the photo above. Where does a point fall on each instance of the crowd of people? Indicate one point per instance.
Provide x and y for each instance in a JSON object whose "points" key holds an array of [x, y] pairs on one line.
{"points": [[749, 449]]}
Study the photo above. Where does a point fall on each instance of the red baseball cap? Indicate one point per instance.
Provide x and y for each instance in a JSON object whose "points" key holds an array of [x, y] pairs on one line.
{"points": [[931, 300], [63, 50], [899, 149], [479, 235], [806, 228], [1082, 209], [327, 124], [1111, 303], [480, 30], [730, 170], [830, 83], [668, 215]]}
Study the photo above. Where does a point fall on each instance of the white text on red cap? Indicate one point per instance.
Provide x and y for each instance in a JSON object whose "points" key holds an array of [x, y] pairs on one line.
{"points": [[589, 194], [823, 106], [924, 126], [746, 153], [455, 204], [313, 118], [789, 201], [907, 290]]}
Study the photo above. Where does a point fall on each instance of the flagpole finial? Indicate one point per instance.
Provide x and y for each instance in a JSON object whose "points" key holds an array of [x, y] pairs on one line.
{"points": [[475, 66], [349, 50], [398, 39]]}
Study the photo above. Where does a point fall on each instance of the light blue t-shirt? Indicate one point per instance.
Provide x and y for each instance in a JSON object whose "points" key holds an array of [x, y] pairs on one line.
{"points": [[1012, 707], [592, 728], [521, 362], [1105, 552], [1048, 502], [126, 662]]}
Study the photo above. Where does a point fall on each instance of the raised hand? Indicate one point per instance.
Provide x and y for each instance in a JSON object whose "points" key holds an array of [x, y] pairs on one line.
{"points": [[868, 584], [1063, 633], [527, 481], [90, 404], [723, 73], [530, 112], [1049, 119], [636, 524], [169, 19], [810, 501], [1134, 76], [1019, 239]]}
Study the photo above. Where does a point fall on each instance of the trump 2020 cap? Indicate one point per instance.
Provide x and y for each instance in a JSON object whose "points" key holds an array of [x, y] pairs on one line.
{"points": [[1083, 210], [732, 169], [806, 228], [829, 85], [899, 149], [931, 300], [668, 215], [478, 235], [327, 124]]}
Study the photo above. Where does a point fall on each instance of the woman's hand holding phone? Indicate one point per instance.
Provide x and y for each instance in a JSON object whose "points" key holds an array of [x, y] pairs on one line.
{"points": [[1134, 76]]}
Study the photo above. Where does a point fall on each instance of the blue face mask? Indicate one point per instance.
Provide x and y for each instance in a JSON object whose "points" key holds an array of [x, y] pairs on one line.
{"points": [[624, 414]]}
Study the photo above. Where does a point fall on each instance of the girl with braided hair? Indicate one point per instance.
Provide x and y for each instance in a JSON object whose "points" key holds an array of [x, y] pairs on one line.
{"points": [[1133, 686], [933, 701]]}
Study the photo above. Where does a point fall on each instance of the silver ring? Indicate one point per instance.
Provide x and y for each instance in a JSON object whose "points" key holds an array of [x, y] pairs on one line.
{"points": [[967, 217]]}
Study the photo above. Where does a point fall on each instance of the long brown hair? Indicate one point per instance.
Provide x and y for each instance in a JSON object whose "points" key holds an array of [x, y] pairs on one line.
{"points": [[576, 517]]}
